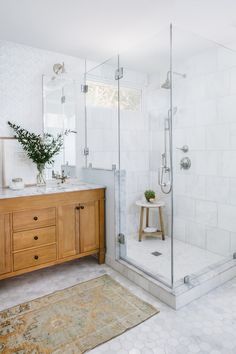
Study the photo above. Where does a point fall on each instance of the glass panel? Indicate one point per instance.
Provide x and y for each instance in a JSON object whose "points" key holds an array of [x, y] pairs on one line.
{"points": [[102, 112], [106, 96], [204, 135], [142, 134]]}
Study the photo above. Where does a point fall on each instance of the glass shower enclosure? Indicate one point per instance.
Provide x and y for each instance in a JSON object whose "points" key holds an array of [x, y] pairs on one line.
{"points": [[162, 116]]}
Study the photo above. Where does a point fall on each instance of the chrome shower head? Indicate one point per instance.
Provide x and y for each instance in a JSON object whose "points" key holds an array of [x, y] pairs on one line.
{"points": [[167, 83]]}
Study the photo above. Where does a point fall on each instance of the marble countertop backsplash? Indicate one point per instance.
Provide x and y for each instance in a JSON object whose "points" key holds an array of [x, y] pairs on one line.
{"points": [[50, 188]]}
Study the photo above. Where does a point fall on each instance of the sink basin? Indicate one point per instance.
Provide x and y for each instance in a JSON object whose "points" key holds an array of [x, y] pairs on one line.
{"points": [[64, 186]]}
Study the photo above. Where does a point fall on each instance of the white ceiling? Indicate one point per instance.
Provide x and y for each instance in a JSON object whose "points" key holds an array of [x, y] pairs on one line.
{"points": [[97, 29]]}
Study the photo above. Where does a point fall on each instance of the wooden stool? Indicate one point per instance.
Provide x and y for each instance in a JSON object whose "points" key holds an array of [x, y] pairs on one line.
{"points": [[147, 206]]}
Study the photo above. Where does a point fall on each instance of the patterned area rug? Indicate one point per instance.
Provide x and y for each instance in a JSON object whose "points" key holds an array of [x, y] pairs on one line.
{"points": [[72, 320]]}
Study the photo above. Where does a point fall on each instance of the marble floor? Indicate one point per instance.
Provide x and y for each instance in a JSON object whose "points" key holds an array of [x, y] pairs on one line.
{"points": [[188, 259], [206, 326]]}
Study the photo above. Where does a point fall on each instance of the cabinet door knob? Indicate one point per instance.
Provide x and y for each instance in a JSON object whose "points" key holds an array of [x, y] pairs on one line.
{"points": [[36, 237], [35, 218], [36, 257], [77, 208], [82, 207]]}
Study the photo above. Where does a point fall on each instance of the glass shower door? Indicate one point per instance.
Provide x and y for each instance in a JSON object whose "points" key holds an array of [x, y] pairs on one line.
{"points": [[145, 116]]}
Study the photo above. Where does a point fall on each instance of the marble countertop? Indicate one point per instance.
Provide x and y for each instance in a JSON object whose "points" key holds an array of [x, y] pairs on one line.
{"points": [[6, 193]]}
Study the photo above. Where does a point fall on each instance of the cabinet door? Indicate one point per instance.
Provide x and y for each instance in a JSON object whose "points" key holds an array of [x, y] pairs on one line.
{"points": [[68, 244], [89, 226], [5, 243]]}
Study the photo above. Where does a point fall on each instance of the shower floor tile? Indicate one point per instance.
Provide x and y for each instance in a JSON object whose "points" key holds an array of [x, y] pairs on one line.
{"points": [[188, 259]]}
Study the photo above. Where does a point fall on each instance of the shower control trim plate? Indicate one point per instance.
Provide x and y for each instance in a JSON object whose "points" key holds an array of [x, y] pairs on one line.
{"points": [[185, 163]]}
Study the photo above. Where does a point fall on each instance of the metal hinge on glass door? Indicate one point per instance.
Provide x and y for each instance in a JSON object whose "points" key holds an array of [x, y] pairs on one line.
{"points": [[121, 238], [86, 151], [119, 73], [84, 88]]}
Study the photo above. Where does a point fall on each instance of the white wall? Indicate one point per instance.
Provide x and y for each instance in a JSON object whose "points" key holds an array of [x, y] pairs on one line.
{"points": [[21, 70]]}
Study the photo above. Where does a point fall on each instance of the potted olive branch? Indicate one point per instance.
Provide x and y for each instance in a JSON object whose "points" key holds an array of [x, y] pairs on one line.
{"points": [[41, 149]]}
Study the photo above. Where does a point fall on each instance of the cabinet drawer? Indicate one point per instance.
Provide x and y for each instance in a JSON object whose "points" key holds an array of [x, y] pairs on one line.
{"points": [[31, 219], [34, 257], [34, 238]]}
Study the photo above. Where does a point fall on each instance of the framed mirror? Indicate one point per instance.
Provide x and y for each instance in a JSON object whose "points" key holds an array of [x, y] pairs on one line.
{"points": [[60, 114]]}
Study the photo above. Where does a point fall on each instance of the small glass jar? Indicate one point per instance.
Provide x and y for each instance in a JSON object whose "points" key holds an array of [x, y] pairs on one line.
{"points": [[17, 184]]}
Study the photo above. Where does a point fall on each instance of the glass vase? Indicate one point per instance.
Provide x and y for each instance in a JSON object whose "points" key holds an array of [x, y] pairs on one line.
{"points": [[41, 181]]}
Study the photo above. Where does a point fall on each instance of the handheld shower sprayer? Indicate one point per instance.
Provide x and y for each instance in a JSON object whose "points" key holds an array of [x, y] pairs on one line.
{"points": [[164, 175]]}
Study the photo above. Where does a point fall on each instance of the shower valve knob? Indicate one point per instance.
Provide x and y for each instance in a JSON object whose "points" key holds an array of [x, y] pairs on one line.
{"points": [[185, 163]]}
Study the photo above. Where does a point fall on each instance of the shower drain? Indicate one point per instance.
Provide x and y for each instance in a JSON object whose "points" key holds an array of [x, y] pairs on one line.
{"points": [[156, 253]]}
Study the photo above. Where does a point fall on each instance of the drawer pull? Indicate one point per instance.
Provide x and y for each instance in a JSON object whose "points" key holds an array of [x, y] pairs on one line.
{"points": [[79, 207], [36, 237], [36, 257], [35, 218]]}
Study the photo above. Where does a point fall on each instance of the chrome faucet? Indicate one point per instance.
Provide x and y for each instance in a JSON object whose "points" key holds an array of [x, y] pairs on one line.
{"points": [[61, 177]]}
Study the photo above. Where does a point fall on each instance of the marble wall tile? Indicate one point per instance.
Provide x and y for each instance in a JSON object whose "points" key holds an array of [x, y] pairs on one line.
{"points": [[206, 112], [218, 241], [218, 189], [227, 165], [226, 217], [227, 109], [217, 137], [196, 234], [180, 229], [184, 207], [206, 212]]}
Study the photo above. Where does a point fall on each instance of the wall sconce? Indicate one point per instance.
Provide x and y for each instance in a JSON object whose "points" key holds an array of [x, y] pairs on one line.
{"points": [[59, 68]]}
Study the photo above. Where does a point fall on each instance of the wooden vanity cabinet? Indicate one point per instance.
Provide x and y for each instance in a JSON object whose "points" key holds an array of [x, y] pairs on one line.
{"points": [[67, 231], [39, 231], [78, 227]]}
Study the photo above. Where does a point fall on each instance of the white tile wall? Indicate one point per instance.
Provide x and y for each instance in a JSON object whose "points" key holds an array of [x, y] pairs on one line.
{"points": [[196, 234], [217, 189], [206, 212], [195, 186], [206, 112], [184, 207], [227, 217], [228, 167], [233, 242], [206, 162], [227, 109], [217, 137], [218, 241], [232, 191]]}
